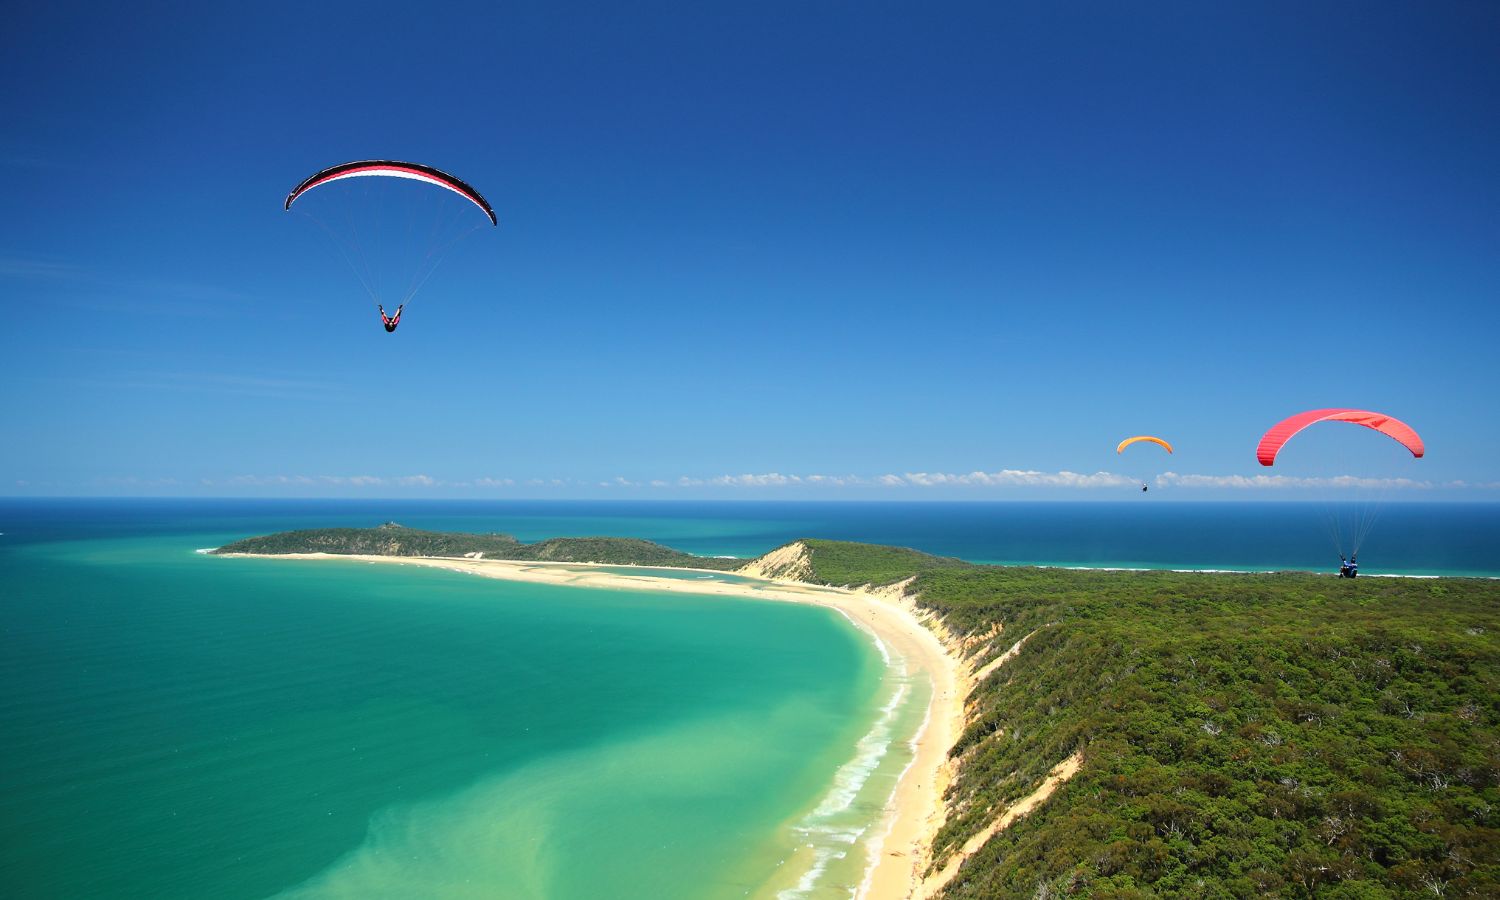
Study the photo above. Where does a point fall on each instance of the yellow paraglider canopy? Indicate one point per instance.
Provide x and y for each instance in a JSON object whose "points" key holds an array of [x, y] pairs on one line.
{"points": [[1142, 437]]}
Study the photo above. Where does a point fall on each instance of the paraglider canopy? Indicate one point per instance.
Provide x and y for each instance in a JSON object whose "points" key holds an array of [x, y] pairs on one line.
{"points": [[391, 168], [1143, 437], [1274, 439]]}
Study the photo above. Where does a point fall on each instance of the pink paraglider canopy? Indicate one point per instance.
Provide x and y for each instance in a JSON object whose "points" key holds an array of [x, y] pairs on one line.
{"points": [[1273, 440]]}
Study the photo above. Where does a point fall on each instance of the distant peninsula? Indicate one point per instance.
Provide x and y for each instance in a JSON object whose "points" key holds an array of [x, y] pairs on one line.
{"points": [[392, 539]]}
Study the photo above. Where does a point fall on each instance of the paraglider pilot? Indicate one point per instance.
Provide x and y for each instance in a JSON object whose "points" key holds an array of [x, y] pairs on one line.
{"points": [[390, 322], [1348, 568]]}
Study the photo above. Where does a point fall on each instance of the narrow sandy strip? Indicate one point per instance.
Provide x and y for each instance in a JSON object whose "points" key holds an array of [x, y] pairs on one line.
{"points": [[916, 810], [1003, 658], [1055, 778]]}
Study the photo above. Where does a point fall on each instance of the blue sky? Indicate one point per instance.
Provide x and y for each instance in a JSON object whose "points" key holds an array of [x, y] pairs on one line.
{"points": [[913, 249]]}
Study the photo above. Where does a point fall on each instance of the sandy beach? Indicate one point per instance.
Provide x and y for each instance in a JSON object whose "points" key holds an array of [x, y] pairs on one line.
{"points": [[916, 809]]}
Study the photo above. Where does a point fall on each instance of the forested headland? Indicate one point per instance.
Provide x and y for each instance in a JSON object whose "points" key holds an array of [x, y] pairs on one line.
{"points": [[391, 539], [1287, 734]]}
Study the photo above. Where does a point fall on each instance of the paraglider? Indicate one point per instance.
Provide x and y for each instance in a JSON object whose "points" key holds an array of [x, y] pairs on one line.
{"points": [[1349, 522], [1142, 437], [1275, 438], [388, 223], [1137, 439]]}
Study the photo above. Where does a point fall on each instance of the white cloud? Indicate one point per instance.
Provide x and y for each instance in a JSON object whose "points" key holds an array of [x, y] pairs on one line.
{"points": [[837, 480], [1019, 478], [1004, 478], [769, 479], [945, 481], [33, 267], [1287, 482], [116, 292], [268, 480], [219, 384], [137, 481], [306, 480]]}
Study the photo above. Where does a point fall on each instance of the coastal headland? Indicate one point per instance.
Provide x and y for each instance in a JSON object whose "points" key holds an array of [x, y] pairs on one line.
{"points": [[1121, 730]]}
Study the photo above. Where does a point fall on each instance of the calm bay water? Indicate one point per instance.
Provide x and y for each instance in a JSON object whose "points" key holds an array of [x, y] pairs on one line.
{"points": [[176, 725]]}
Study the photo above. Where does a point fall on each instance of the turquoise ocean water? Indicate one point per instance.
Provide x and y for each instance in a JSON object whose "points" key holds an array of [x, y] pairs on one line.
{"points": [[177, 725]]}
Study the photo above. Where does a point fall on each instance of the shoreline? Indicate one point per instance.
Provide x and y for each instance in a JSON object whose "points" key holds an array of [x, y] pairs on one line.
{"points": [[915, 810], [1066, 567]]}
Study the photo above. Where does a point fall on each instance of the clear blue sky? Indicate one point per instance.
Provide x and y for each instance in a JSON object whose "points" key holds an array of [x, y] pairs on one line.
{"points": [[856, 240]]}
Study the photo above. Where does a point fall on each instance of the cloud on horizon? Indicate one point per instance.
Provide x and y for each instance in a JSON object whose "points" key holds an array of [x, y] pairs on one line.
{"points": [[1285, 482], [921, 482], [1019, 478], [310, 480]]}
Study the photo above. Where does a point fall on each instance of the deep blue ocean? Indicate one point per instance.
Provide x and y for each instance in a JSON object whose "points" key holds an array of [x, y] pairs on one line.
{"points": [[1407, 538]]}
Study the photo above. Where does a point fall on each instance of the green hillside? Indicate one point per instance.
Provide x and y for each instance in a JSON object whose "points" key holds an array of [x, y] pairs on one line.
{"points": [[1289, 735]]}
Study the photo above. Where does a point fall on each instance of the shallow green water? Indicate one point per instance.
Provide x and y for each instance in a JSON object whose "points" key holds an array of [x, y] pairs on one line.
{"points": [[177, 725]]}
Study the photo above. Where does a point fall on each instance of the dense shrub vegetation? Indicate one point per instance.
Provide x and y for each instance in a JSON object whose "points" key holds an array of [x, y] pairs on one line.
{"points": [[843, 562], [1288, 735]]}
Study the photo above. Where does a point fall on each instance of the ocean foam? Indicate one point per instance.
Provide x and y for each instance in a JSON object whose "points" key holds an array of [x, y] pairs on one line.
{"points": [[872, 850], [836, 823]]}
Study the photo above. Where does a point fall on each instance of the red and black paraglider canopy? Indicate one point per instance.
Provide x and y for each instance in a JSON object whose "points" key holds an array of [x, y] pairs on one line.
{"points": [[392, 169]]}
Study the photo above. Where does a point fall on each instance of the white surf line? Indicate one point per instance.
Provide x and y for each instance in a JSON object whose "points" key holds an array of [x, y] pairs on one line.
{"points": [[850, 779], [872, 852], [852, 776]]}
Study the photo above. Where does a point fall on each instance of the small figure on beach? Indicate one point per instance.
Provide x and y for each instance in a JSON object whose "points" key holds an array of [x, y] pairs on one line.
{"points": [[390, 322]]}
